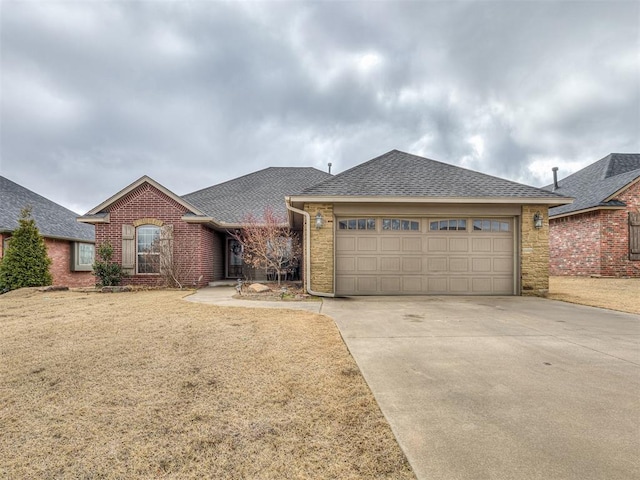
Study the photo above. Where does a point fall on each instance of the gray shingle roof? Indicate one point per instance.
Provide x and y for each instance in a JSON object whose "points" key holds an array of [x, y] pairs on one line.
{"points": [[399, 174], [52, 219], [231, 201], [592, 185]]}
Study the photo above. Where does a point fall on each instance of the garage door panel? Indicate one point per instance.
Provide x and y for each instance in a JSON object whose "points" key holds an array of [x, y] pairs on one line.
{"points": [[481, 265], [346, 244], [412, 284], [502, 265], [411, 264], [437, 244], [390, 264], [396, 262], [367, 244], [437, 264], [391, 285], [367, 284], [503, 245], [412, 244], [390, 244], [481, 245], [458, 244], [459, 264], [367, 264], [459, 284]]}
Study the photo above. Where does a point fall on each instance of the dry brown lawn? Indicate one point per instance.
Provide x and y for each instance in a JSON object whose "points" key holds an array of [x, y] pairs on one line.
{"points": [[146, 385], [622, 294]]}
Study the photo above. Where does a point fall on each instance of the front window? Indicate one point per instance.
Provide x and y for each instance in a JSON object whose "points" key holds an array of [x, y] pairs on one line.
{"points": [[82, 257], [148, 249]]}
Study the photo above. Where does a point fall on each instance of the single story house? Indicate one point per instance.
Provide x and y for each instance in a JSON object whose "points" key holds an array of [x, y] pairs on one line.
{"points": [[598, 234], [198, 225], [70, 245], [399, 224]]}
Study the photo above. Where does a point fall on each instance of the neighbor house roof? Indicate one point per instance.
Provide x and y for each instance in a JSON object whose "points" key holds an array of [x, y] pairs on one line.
{"points": [[597, 185], [230, 202], [53, 220], [404, 176]]}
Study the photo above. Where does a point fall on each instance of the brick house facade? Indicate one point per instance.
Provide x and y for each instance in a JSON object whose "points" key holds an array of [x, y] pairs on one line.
{"points": [[596, 242], [63, 235], [196, 247], [595, 235]]}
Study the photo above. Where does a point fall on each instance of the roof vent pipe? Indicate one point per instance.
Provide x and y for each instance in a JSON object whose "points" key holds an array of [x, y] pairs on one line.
{"points": [[555, 178], [329, 167]]}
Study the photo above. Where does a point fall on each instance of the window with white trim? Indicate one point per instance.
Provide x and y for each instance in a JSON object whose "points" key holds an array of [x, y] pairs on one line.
{"points": [[491, 225], [82, 256], [455, 224], [148, 249], [357, 224], [400, 224]]}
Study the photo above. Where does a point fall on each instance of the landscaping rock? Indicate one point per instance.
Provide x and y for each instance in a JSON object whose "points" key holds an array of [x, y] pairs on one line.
{"points": [[53, 288], [258, 288]]}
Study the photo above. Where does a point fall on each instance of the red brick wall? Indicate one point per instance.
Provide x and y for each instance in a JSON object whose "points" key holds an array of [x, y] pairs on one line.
{"points": [[595, 243], [615, 237], [192, 243], [60, 253]]}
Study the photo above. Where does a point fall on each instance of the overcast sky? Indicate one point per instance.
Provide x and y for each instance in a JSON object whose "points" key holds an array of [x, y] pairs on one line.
{"points": [[95, 94]]}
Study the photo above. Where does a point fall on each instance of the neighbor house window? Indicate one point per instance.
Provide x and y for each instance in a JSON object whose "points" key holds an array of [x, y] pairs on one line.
{"points": [[634, 236], [148, 249], [456, 224], [400, 224], [357, 224], [82, 256]]}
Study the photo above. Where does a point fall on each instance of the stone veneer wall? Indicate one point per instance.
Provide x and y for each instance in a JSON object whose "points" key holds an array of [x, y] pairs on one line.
{"points": [[322, 247], [534, 253]]}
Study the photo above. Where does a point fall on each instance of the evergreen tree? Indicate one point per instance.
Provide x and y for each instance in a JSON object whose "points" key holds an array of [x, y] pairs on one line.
{"points": [[25, 262]]}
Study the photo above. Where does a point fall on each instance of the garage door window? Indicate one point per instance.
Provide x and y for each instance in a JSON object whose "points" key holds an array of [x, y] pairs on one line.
{"points": [[357, 224], [449, 224], [400, 224], [485, 225]]}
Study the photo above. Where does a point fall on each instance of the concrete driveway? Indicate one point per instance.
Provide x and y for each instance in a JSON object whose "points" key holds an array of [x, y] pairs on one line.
{"points": [[501, 387]]}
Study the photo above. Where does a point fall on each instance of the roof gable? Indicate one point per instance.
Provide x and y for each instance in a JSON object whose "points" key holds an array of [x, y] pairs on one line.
{"points": [[53, 220], [97, 211], [595, 185], [400, 174], [230, 202]]}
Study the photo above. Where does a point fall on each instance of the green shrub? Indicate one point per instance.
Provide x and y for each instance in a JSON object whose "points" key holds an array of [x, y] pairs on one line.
{"points": [[108, 272], [25, 262]]}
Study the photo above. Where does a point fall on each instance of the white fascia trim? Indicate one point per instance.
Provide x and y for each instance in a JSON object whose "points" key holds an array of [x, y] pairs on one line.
{"points": [[93, 220], [457, 200]]}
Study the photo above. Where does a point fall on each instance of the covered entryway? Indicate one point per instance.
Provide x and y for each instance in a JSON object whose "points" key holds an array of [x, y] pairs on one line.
{"points": [[413, 256]]}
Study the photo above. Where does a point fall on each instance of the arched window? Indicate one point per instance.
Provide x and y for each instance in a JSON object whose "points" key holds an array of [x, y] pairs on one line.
{"points": [[148, 249]]}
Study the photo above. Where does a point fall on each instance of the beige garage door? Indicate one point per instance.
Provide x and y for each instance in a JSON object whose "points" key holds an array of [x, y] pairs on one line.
{"points": [[413, 256]]}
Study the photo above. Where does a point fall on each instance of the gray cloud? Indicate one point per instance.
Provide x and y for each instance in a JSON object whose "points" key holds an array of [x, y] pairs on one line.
{"points": [[96, 94]]}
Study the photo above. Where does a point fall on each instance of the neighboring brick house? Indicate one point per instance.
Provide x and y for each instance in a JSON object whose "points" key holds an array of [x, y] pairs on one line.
{"points": [[599, 234], [406, 225], [145, 219], [70, 245]]}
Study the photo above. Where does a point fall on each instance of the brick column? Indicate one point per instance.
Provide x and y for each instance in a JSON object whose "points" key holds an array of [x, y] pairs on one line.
{"points": [[322, 248], [534, 256]]}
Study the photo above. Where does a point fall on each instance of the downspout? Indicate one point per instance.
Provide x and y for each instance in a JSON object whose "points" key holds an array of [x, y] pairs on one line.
{"points": [[307, 254]]}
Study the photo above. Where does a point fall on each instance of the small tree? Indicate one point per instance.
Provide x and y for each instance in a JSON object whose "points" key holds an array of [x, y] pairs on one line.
{"points": [[25, 263], [268, 243], [109, 273]]}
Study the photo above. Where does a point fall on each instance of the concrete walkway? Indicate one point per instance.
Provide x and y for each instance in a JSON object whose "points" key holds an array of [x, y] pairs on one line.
{"points": [[223, 296], [495, 387]]}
